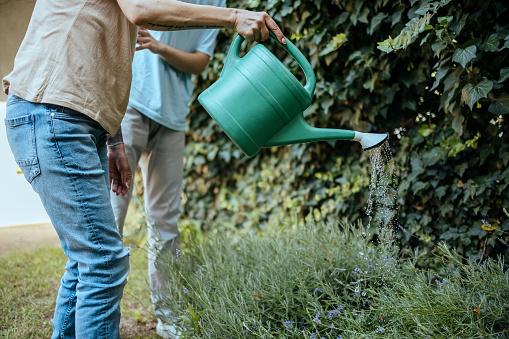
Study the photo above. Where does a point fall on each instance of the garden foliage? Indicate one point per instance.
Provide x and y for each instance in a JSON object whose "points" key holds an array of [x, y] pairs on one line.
{"points": [[328, 281], [432, 73]]}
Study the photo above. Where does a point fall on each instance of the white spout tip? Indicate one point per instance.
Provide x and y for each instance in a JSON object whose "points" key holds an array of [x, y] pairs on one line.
{"points": [[370, 140]]}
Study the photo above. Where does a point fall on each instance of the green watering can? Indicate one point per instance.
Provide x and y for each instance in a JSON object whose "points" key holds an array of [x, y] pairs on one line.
{"points": [[259, 103]]}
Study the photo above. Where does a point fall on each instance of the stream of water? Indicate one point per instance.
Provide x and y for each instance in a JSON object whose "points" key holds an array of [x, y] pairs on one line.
{"points": [[382, 205]]}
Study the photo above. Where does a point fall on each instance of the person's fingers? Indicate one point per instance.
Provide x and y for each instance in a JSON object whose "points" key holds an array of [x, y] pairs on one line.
{"points": [[249, 38], [272, 25], [114, 185], [142, 40], [264, 33], [257, 34]]}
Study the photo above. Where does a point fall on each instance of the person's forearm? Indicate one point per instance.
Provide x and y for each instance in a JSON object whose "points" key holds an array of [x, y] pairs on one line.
{"points": [[171, 15], [193, 63]]}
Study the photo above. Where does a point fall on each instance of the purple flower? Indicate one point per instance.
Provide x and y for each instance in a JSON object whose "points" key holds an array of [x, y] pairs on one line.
{"points": [[317, 318], [288, 324], [332, 314]]}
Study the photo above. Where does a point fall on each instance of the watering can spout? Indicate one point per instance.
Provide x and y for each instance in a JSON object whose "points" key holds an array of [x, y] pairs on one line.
{"points": [[299, 131], [370, 140]]}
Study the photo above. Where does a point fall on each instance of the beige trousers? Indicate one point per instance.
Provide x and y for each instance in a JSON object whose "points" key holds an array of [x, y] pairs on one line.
{"points": [[159, 151]]}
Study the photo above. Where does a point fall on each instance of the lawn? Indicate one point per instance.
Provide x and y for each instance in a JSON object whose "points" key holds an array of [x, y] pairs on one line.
{"points": [[29, 283]]}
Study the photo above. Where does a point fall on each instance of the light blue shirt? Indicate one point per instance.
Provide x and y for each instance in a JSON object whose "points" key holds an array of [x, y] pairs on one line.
{"points": [[160, 91]]}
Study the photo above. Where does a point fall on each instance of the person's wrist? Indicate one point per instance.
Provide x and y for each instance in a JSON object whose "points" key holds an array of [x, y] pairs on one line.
{"points": [[116, 139], [113, 145], [231, 19], [157, 46]]}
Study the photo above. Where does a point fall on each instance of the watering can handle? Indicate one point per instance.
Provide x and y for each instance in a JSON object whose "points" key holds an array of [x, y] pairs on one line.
{"points": [[233, 57]]}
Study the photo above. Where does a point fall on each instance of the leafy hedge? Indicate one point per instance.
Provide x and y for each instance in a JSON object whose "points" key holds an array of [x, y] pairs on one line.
{"points": [[432, 73]]}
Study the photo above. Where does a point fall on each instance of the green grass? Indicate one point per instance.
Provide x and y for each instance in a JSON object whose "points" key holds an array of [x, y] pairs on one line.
{"points": [[29, 284]]}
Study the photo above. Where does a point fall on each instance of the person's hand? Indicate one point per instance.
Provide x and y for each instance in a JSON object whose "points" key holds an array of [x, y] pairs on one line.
{"points": [[146, 41], [255, 26], [120, 171]]}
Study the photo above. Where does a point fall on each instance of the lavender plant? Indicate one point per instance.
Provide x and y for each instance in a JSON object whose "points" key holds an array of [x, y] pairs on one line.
{"points": [[328, 280]]}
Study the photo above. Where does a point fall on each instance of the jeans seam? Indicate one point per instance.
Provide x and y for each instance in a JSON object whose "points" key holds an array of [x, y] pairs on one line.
{"points": [[67, 314]]}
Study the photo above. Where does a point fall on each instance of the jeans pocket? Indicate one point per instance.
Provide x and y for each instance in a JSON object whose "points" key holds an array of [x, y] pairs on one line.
{"points": [[21, 138]]}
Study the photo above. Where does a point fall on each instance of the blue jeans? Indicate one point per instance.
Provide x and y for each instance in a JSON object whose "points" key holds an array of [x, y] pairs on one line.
{"points": [[63, 154]]}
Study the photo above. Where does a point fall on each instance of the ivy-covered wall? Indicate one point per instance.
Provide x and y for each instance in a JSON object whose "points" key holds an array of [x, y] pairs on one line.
{"points": [[432, 73]]}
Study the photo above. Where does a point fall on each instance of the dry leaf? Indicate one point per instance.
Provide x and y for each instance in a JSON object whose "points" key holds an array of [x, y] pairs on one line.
{"points": [[258, 296]]}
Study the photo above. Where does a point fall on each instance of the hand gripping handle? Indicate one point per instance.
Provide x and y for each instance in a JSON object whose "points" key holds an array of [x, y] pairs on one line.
{"points": [[233, 57]]}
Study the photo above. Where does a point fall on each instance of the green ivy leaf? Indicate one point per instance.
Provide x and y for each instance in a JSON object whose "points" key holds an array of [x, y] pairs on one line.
{"points": [[473, 142], [426, 130], [444, 20], [458, 24], [472, 93], [285, 10], [500, 105], [253, 3], [419, 186], [491, 44], [386, 45], [375, 22], [504, 74], [441, 191], [334, 44], [440, 73], [396, 16], [199, 160], [506, 44], [457, 124], [454, 145], [363, 15], [463, 56]]}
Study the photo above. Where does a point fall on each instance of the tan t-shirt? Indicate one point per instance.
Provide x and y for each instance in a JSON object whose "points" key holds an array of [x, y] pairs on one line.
{"points": [[77, 54]]}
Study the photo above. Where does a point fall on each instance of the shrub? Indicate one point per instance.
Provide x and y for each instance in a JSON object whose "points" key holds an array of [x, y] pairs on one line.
{"points": [[328, 281]]}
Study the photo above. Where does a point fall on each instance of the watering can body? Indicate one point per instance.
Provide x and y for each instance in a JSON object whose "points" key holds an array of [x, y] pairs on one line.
{"points": [[259, 103]]}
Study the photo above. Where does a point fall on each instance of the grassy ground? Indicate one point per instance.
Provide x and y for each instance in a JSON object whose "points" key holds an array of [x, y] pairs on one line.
{"points": [[29, 283]]}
